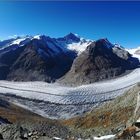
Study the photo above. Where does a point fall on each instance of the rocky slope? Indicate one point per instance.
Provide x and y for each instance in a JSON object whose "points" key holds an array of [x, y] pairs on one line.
{"points": [[35, 62], [17, 123], [110, 118], [101, 60]]}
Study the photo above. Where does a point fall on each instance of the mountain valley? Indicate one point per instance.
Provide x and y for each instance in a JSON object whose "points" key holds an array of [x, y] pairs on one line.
{"points": [[67, 87]]}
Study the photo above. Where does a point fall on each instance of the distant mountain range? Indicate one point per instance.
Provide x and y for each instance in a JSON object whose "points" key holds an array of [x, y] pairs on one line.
{"points": [[89, 110], [69, 59]]}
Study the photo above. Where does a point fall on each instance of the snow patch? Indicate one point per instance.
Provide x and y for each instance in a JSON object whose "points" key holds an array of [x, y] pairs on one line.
{"points": [[78, 47], [21, 41], [17, 41], [37, 37], [107, 137]]}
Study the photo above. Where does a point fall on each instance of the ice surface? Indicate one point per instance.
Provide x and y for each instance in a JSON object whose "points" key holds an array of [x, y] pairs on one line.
{"points": [[56, 93]]}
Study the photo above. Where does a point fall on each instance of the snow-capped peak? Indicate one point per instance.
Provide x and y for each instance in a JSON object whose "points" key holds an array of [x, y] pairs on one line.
{"points": [[37, 37], [70, 42], [74, 42], [72, 36], [21, 41]]}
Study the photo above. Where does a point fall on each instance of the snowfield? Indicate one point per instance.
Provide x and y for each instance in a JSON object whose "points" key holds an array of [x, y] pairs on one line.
{"points": [[57, 101], [132, 51]]}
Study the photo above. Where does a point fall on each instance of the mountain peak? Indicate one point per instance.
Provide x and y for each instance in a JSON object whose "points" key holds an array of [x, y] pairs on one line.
{"points": [[38, 36], [72, 37], [104, 42]]}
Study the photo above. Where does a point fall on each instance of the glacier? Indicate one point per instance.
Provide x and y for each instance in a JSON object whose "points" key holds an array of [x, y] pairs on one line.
{"points": [[58, 101]]}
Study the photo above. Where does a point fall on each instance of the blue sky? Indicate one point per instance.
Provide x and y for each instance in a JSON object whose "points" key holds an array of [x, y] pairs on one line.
{"points": [[117, 21]]}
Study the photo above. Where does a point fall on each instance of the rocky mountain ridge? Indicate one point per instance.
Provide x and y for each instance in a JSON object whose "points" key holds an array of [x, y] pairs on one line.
{"points": [[101, 60], [72, 58], [38, 58]]}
